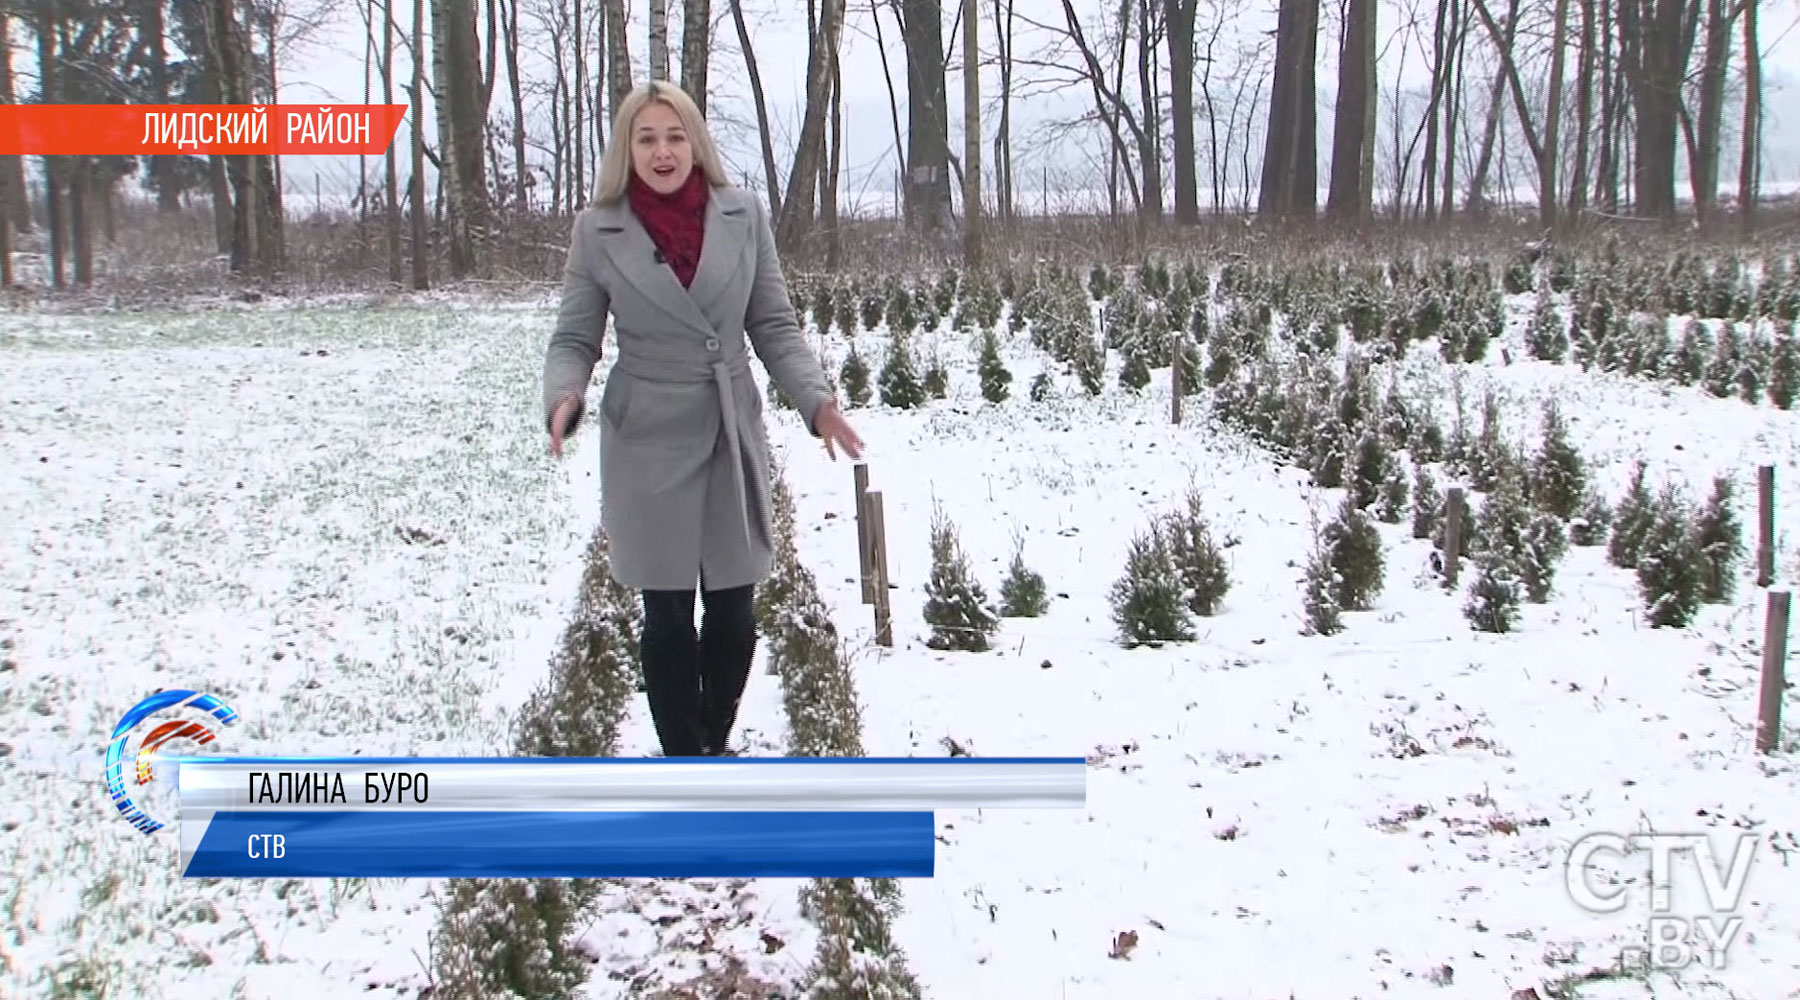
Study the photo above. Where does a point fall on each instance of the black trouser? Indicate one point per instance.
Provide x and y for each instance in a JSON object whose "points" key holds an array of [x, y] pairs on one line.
{"points": [[694, 681]]}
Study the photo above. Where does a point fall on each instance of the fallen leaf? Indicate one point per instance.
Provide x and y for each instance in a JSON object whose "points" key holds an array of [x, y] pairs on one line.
{"points": [[1123, 944]]}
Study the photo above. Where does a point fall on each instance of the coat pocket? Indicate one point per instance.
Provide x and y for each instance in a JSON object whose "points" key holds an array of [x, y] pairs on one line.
{"points": [[677, 415], [615, 400]]}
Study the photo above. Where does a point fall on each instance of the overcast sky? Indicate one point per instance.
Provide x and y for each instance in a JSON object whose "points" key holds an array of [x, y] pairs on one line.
{"points": [[331, 69]]}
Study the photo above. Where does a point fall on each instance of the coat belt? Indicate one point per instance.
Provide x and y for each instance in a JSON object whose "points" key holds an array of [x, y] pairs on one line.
{"points": [[719, 371]]}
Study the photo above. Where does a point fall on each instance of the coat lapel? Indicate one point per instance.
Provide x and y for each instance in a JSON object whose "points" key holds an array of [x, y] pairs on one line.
{"points": [[722, 253], [635, 256]]}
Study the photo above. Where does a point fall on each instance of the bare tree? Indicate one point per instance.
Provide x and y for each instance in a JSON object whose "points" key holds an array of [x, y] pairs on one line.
{"points": [[1356, 53], [1701, 129], [1178, 29], [928, 119], [509, 34], [1109, 107], [809, 155], [1750, 157], [618, 54], [153, 37], [1150, 29], [902, 189], [659, 39], [1546, 153], [390, 202], [771, 175], [49, 29], [1004, 204], [829, 178], [1584, 113], [13, 192], [971, 166], [1658, 36], [421, 249], [696, 48], [461, 118], [1289, 186], [256, 219]]}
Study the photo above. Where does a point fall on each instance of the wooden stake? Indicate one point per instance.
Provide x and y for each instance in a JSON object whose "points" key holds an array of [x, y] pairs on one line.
{"points": [[1765, 542], [884, 614], [1175, 380], [1774, 673], [1453, 529], [861, 473]]}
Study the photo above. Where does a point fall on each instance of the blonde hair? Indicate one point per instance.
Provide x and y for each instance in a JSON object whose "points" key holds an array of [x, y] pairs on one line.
{"points": [[615, 163]]}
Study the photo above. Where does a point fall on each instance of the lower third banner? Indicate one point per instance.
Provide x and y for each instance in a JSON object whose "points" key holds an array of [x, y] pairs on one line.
{"points": [[592, 818], [604, 844]]}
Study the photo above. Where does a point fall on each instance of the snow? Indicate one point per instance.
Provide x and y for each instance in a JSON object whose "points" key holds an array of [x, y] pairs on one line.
{"points": [[217, 499]]}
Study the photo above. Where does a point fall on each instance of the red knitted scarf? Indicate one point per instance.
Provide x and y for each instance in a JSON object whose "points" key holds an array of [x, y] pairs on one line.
{"points": [[676, 221]]}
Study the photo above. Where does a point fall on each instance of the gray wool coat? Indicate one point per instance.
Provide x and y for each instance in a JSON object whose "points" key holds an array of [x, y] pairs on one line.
{"points": [[684, 454]]}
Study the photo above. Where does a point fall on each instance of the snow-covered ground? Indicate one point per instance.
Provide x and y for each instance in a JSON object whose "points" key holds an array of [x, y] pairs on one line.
{"points": [[344, 522]]}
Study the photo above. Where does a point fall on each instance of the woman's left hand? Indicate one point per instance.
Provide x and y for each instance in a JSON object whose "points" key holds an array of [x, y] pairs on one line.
{"points": [[836, 432]]}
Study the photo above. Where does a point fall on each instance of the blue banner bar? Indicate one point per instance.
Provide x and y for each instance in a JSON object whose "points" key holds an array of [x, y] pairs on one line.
{"points": [[565, 844]]}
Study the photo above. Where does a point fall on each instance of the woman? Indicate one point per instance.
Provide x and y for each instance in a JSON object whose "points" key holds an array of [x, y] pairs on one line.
{"points": [[686, 265]]}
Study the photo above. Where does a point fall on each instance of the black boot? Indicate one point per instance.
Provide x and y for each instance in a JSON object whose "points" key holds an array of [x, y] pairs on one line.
{"points": [[727, 647], [671, 664]]}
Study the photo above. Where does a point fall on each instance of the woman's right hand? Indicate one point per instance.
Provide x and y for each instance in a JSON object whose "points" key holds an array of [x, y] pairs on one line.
{"points": [[559, 424]]}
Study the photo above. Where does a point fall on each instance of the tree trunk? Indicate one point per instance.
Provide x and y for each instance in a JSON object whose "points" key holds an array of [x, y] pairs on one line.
{"points": [[771, 174], [796, 204], [390, 201], [1612, 72], [1455, 82], [659, 39], [154, 34], [1114, 111], [421, 250], [227, 56], [1218, 163], [1356, 50], [1477, 201], [928, 124], [828, 186], [1372, 99], [901, 190], [271, 20], [50, 90], [618, 55], [972, 221], [13, 191], [521, 170], [1660, 35], [1750, 155], [1547, 160], [696, 48], [1584, 116], [456, 66], [1703, 152], [81, 221], [1150, 138], [1440, 56], [1004, 204], [1289, 188]]}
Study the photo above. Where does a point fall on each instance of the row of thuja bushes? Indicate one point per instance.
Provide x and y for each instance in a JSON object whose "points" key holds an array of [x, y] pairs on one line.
{"points": [[513, 939]]}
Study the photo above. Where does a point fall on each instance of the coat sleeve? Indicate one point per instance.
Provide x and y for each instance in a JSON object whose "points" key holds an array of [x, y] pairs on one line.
{"points": [[774, 330], [580, 325]]}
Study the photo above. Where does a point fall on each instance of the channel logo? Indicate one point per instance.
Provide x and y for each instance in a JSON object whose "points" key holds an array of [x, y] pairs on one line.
{"points": [[162, 735]]}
